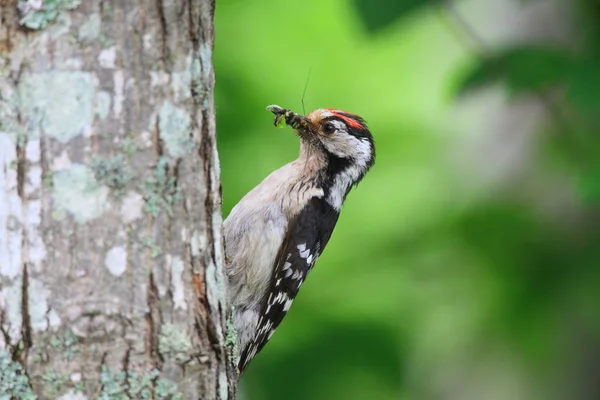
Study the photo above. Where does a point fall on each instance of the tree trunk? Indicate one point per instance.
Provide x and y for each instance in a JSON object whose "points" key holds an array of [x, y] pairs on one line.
{"points": [[111, 253]]}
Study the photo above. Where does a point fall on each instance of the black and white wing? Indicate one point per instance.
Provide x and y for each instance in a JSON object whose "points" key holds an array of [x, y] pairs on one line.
{"points": [[306, 238]]}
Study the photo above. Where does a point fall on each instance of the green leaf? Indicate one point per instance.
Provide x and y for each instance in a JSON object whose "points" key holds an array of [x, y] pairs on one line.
{"points": [[280, 121], [377, 15], [589, 186], [525, 68], [583, 85]]}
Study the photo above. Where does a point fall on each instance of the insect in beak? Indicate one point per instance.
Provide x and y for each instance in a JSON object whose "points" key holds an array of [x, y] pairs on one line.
{"points": [[284, 117]]}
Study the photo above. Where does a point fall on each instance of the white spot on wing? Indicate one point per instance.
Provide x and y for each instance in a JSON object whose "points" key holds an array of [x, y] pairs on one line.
{"points": [[287, 305], [302, 247], [297, 275], [286, 265], [309, 259], [279, 298], [266, 327], [305, 253], [252, 353]]}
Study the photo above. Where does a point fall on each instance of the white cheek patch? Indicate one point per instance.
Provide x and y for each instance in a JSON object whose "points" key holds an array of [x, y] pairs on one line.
{"points": [[344, 145], [360, 151]]}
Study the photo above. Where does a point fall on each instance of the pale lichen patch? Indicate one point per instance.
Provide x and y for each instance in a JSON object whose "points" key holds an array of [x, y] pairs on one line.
{"points": [[155, 250], [37, 251], [37, 14], [72, 395], [53, 383], [160, 190], [37, 295], [215, 289], [177, 268], [148, 41], [36, 247], [34, 179], [223, 385], [205, 53], [76, 191], [180, 83], [14, 383], [33, 151], [158, 78], [116, 260], [137, 384], [231, 336], [113, 172], [54, 319], [108, 57], [61, 162], [131, 208], [197, 243], [11, 237], [61, 26], [59, 103], [9, 110], [200, 72], [173, 341], [71, 64], [91, 28], [102, 104], [11, 299], [174, 129], [146, 138], [119, 96]]}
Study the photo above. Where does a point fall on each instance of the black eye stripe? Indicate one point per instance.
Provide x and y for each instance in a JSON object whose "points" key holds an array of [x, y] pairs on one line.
{"points": [[330, 121], [358, 133], [329, 127]]}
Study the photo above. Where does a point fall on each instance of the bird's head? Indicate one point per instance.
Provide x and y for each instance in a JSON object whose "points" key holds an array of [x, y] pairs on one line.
{"points": [[342, 137]]}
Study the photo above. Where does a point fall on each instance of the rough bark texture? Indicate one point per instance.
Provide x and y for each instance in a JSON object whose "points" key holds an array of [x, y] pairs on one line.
{"points": [[110, 226]]}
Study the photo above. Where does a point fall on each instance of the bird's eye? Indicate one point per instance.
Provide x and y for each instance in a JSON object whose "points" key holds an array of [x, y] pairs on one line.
{"points": [[329, 127]]}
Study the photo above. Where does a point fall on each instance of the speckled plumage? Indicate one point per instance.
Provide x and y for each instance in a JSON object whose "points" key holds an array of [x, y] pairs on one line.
{"points": [[275, 234]]}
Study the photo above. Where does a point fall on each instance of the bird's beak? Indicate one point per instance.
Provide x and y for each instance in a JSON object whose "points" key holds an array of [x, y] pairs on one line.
{"points": [[284, 117]]}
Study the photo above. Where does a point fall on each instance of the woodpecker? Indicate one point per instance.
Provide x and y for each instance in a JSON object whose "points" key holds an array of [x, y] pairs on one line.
{"points": [[275, 234]]}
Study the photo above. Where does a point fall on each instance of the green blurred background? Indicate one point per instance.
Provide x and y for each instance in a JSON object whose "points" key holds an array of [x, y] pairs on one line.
{"points": [[467, 263]]}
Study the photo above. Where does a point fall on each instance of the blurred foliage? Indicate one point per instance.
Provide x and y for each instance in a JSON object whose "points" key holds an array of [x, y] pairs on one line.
{"points": [[521, 69], [377, 15], [441, 281]]}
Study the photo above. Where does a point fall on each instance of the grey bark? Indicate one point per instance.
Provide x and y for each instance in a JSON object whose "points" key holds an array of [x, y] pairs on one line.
{"points": [[111, 249]]}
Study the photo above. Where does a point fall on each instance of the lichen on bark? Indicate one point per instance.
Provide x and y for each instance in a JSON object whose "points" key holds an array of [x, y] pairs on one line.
{"points": [[108, 173]]}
